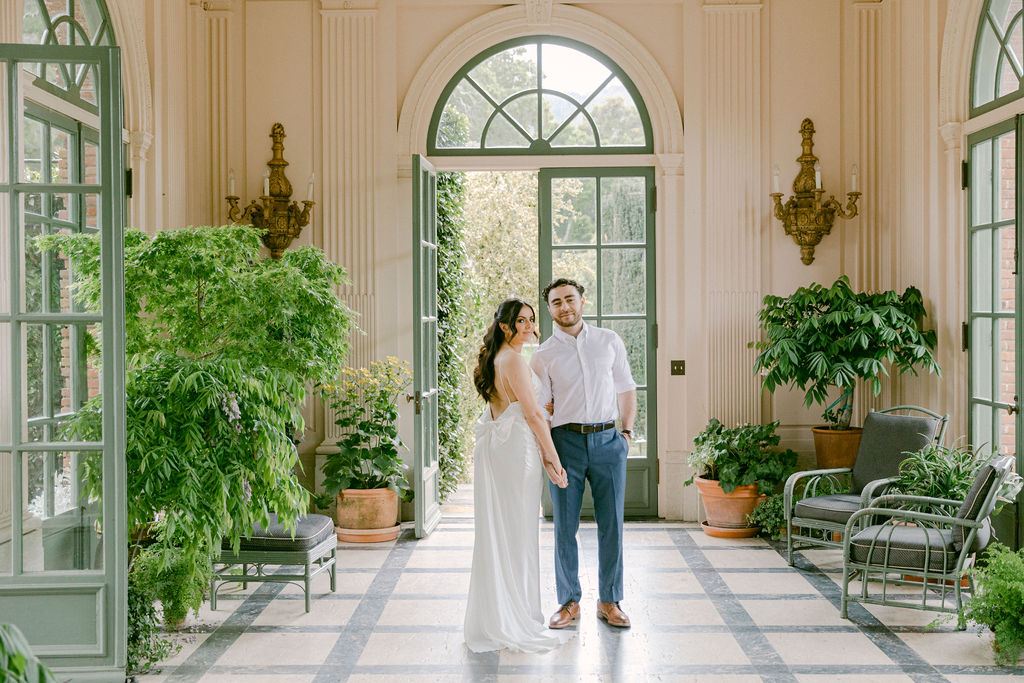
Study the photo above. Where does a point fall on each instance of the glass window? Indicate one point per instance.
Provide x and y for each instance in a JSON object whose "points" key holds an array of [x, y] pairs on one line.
{"points": [[540, 95], [998, 70]]}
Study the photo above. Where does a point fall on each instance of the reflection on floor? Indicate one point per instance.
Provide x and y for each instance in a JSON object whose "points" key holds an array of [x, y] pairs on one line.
{"points": [[703, 609]]}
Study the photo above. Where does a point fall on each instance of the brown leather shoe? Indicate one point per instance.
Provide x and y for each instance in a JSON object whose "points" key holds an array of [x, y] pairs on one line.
{"points": [[610, 612], [566, 614]]}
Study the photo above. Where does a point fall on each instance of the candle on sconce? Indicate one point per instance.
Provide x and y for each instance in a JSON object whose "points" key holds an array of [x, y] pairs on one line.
{"points": [[309, 187], [775, 179], [266, 183], [231, 182], [817, 175], [853, 178]]}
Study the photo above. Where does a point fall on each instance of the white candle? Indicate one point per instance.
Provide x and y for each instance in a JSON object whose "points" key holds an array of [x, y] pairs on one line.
{"points": [[266, 183], [775, 179], [817, 175], [309, 187], [853, 178], [231, 182]]}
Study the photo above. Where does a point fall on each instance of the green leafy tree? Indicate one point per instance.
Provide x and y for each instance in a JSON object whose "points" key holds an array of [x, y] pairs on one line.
{"points": [[221, 345]]}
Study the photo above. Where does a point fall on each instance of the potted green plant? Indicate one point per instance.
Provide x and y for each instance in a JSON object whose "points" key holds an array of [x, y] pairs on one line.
{"points": [[824, 339], [367, 473], [940, 472], [221, 345], [769, 516], [998, 601], [734, 467]]}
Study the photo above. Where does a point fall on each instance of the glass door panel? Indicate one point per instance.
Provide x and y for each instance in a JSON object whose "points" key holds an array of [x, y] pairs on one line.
{"points": [[597, 227]]}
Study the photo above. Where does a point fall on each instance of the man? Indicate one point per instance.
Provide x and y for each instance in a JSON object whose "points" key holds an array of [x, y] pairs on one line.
{"points": [[591, 385]]}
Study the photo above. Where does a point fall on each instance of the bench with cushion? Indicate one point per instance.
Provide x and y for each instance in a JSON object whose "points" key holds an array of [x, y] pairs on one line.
{"points": [[313, 547]]}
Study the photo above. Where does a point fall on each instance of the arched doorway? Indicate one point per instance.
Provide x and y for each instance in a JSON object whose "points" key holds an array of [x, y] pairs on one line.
{"points": [[535, 127]]}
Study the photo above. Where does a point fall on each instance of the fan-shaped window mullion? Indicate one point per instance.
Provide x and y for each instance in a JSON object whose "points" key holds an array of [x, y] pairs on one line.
{"points": [[1015, 59], [993, 53], [500, 109], [580, 106]]}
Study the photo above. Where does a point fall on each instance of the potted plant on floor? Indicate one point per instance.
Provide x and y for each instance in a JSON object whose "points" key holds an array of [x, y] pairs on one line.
{"points": [[998, 601], [367, 473], [824, 339], [734, 468]]}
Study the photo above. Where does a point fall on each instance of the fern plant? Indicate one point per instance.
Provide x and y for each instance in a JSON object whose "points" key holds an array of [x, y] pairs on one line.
{"points": [[998, 601]]}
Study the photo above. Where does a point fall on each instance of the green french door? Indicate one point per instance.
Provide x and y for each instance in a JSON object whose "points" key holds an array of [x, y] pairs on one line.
{"points": [[597, 227], [426, 465], [994, 288], [62, 544]]}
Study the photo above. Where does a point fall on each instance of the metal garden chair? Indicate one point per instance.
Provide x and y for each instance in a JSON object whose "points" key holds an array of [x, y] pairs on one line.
{"points": [[830, 496], [914, 541]]}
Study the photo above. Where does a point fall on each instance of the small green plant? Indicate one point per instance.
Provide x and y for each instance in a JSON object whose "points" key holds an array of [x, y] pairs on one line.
{"points": [[822, 338], [179, 582], [941, 472], [17, 663], [740, 456], [998, 602], [366, 402], [770, 516], [146, 643]]}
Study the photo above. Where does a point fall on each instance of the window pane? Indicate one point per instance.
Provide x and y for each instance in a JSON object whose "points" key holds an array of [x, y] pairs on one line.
{"points": [[503, 134], [91, 163], [623, 281], [463, 119], [981, 271], [508, 72], [981, 183], [574, 211], [557, 109], [623, 210], [1006, 388], [1009, 65], [1007, 204], [571, 71], [579, 265], [49, 277], [6, 507], [60, 156], [981, 358], [638, 447], [524, 110], [985, 60], [92, 212], [63, 504], [634, 336], [5, 397], [982, 426], [32, 169], [59, 377], [1005, 278], [617, 118], [579, 132], [1007, 433]]}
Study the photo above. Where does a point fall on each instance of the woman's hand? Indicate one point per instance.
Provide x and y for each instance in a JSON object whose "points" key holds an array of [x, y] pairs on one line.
{"points": [[556, 473]]}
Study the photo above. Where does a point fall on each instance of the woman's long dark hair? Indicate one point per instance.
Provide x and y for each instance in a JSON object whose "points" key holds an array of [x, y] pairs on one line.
{"points": [[483, 375]]}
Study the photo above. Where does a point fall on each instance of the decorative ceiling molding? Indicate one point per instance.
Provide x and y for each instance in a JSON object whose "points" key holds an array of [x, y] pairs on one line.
{"points": [[348, 4], [472, 38], [538, 12], [126, 18]]}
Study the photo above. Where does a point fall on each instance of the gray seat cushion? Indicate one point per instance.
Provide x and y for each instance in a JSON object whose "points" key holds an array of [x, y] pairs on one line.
{"points": [[833, 508], [310, 530], [885, 442], [907, 547]]}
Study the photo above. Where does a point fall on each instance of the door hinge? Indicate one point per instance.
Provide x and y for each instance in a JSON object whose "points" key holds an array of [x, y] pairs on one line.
{"points": [[655, 335], [654, 199], [657, 470], [964, 182], [963, 336], [128, 182], [1016, 260]]}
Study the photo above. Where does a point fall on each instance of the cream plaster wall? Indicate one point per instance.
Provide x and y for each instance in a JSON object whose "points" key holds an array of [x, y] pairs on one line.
{"points": [[743, 74]]}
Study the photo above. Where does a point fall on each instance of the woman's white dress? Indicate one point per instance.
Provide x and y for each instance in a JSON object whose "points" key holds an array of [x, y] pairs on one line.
{"points": [[503, 610]]}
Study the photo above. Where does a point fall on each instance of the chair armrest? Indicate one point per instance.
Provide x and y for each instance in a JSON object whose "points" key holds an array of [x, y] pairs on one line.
{"points": [[901, 498], [910, 515], [808, 474], [872, 490]]}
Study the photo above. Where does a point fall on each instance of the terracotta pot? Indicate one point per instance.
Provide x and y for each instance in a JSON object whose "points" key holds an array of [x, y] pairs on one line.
{"points": [[727, 512], [836, 447], [367, 515]]}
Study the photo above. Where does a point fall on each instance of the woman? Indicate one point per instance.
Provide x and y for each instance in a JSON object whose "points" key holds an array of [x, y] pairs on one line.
{"points": [[513, 448]]}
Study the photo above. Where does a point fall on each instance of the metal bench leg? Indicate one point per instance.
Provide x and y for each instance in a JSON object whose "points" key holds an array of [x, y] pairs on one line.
{"points": [[307, 585], [213, 592], [334, 569]]}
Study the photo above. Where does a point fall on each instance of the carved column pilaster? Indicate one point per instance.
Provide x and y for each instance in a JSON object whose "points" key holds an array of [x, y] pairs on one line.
{"points": [[10, 20], [949, 301], [736, 206], [348, 61]]}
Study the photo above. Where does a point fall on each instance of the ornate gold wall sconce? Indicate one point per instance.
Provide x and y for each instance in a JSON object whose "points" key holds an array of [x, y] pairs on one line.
{"points": [[280, 218], [804, 216]]}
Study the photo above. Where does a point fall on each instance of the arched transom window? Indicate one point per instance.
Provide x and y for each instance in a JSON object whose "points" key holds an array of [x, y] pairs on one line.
{"points": [[67, 22], [540, 95], [998, 70]]}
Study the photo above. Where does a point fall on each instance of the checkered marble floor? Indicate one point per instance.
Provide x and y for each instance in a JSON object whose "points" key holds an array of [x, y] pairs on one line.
{"points": [[703, 609]]}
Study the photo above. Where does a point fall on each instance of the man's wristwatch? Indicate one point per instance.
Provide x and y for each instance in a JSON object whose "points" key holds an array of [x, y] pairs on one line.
{"points": [[627, 432]]}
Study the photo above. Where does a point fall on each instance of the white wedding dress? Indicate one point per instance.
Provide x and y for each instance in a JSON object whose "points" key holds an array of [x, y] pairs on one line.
{"points": [[503, 610]]}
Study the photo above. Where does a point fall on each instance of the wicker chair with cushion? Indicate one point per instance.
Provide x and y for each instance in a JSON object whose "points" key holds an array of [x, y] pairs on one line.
{"points": [[313, 545], [914, 541], [829, 497]]}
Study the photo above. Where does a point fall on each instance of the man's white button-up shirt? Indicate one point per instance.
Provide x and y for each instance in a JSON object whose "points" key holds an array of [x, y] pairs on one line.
{"points": [[584, 374]]}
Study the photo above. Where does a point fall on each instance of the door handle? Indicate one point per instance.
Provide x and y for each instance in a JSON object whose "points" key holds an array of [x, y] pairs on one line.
{"points": [[1015, 408]]}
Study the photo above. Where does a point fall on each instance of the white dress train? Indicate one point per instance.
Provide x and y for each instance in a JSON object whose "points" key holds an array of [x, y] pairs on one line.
{"points": [[503, 610]]}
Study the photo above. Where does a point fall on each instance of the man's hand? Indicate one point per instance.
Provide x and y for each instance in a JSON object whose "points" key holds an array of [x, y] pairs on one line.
{"points": [[556, 473], [550, 407]]}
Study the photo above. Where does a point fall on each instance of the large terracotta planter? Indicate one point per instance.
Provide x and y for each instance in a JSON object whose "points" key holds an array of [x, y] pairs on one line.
{"points": [[836, 447], [727, 512], [367, 515]]}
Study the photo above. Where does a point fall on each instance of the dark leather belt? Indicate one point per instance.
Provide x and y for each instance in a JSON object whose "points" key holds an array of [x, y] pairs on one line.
{"points": [[588, 428]]}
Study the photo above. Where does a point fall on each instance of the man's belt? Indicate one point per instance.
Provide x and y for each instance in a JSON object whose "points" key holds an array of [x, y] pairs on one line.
{"points": [[588, 427]]}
